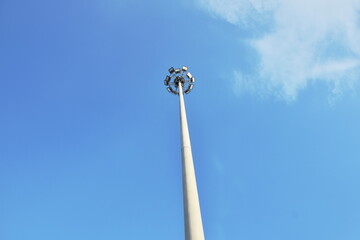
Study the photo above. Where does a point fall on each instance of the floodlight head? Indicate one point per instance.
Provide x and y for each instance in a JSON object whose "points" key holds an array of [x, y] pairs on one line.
{"points": [[179, 77], [170, 90], [171, 70], [189, 88], [188, 75], [167, 80]]}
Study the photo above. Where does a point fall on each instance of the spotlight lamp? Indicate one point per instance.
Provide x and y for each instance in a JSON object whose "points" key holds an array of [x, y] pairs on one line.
{"points": [[171, 70], [167, 80], [179, 76], [188, 75]]}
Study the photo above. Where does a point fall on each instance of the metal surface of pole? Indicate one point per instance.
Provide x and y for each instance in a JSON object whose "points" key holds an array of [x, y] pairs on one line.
{"points": [[192, 214]]}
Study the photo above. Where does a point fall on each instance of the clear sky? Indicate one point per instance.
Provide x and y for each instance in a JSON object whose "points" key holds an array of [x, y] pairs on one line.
{"points": [[89, 136]]}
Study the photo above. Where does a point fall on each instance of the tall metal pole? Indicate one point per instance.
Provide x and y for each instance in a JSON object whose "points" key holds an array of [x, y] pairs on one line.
{"points": [[192, 215], [179, 79]]}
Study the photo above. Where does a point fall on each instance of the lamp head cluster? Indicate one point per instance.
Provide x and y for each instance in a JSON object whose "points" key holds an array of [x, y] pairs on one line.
{"points": [[179, 76]]}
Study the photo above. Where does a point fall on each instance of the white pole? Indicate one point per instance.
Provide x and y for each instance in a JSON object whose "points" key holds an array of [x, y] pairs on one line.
{"points": [[192, 215]]}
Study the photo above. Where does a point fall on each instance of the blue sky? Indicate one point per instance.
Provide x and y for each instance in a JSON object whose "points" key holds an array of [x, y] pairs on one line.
{"points": [[89, 136]]}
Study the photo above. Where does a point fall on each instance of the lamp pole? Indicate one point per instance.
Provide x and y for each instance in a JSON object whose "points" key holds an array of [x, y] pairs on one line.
{"points": [[182, 79]]}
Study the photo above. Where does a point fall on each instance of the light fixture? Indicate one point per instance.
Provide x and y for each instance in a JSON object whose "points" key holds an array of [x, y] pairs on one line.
{"points": [[171, 70], [167, 80], [179, 77], [188, 75]]}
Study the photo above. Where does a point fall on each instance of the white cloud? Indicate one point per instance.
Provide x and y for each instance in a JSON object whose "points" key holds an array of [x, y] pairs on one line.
{"points": [[307, 41]]}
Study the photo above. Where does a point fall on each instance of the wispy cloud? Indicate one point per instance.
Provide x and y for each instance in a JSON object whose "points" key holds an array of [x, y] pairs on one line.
{"points": [[302, 41]]}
